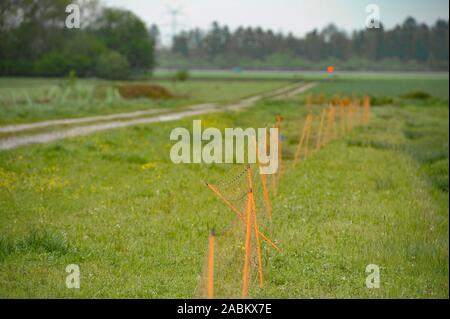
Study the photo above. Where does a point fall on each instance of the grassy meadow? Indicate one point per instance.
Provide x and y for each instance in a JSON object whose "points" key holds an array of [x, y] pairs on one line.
{"points": [[137, 224], [30, 100]]}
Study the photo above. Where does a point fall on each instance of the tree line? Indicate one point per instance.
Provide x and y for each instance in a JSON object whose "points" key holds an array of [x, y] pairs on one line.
{"points": [[409, 44], [115, 43], [111, 43]]}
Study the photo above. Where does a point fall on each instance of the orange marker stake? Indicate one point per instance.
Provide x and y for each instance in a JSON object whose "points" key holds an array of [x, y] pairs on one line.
{"points": [[280, 153], [302, 139], [363, 107], [330, 69], [269, 241], [212, 237], [234, 209], [261, 276], [366, 109], [330, 124], [274, 179], [346, 109], [358, 113], [300, 144], [319, 134], [266, 197], [247, 246], [263, 181], [333, 126], [342, 118], [308, 131]]}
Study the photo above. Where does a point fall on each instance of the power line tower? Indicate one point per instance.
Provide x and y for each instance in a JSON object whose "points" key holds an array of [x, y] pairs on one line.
{"points": [[174, 13]]}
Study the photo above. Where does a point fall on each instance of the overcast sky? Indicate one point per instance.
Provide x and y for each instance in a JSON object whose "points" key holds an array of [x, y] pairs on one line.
{"points": [[296, 16]]}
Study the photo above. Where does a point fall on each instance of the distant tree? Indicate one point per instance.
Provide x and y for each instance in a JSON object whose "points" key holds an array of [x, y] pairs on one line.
{"points": [[216, 40], [411, 43], [155, 35], [29, 29], [35, 41], [122, 31], [113, 66], [181, 75], [421, 43], [180, 44], [337, 43], [439, 44], [314, 46]]}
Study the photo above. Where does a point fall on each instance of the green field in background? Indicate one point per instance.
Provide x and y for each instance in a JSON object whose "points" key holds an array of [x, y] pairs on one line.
{"points": [[137, 224], [19, 98]]}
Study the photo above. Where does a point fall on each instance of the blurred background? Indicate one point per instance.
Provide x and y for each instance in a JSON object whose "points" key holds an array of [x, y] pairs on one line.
{"points": [[136, 37]]}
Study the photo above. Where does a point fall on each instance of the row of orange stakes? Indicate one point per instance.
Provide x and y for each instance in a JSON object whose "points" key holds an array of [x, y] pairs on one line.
{"points": [[351, 114]]}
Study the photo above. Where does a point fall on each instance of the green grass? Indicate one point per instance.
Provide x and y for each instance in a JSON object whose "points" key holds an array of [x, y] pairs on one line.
{"points": [[221, 91], [301, 75], [35, 241], [393, 87], [21, 100], [137, 224]]}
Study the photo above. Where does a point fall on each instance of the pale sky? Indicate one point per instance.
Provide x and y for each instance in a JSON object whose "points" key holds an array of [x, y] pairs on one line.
{"points": [[296, 16]]}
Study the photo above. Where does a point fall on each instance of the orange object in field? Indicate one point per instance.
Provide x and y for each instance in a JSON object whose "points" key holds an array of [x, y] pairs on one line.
{"points": [[330, 69], [319, 134], [212, 236], [330, 124], [255, 223], [247, 246], [308, 133], [303, 138], [234, 209], [366, 109], [280, 153], [263, 180]]}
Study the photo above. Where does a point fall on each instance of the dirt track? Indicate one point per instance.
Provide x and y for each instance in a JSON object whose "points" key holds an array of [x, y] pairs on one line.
{"points": [[133, 118]]}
